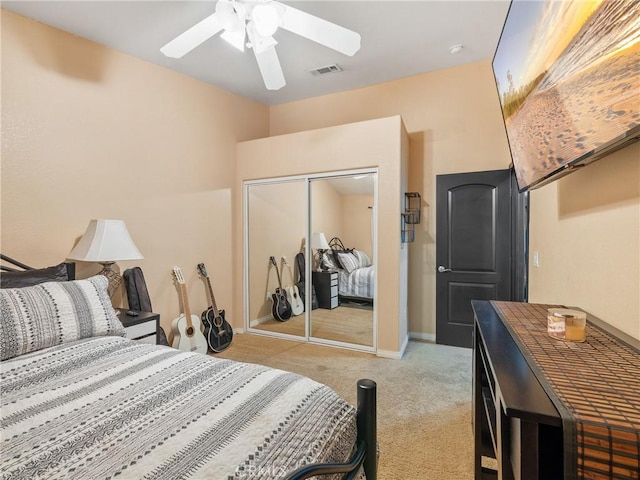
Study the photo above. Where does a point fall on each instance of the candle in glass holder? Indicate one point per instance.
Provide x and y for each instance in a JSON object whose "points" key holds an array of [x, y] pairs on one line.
{"points": [[567, 324]]}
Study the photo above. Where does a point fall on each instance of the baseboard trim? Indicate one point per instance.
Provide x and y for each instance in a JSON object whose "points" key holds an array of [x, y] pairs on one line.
{"points": [[425, 337], [258, 321], [388, 354], [394, 355]]}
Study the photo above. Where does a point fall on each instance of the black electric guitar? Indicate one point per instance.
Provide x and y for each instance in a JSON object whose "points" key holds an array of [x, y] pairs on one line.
{"points": [[217, 330], [280, 306]]}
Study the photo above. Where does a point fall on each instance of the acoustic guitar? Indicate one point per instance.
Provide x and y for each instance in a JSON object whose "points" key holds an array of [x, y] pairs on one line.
{"points": [[217, 330], [293, 295], [187, 328], [280, 307]]}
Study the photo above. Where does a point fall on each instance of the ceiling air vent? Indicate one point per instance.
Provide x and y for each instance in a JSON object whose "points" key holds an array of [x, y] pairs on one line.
{"points": [[326, 70]]}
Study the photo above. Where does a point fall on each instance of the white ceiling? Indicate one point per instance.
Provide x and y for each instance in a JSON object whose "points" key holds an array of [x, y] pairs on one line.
{"points": [[352, 184], [399, 39]]}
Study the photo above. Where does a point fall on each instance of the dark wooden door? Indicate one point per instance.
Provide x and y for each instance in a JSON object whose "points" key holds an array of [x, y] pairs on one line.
{"points": [[474, 247]]}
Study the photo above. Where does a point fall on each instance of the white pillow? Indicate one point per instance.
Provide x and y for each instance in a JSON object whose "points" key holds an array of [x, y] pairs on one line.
{"points": [[363, 258], [348, 261], [52, 313]]}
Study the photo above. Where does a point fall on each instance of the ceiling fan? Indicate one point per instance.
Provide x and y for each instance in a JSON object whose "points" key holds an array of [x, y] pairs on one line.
{"points": [[258, 21]]}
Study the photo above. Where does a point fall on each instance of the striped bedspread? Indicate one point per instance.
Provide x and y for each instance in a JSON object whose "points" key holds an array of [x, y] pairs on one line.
{"points": [[108, 407], [358, 283]]}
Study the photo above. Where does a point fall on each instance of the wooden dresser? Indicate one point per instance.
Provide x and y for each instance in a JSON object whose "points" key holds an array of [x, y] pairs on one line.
{"points": [[533, 417]]}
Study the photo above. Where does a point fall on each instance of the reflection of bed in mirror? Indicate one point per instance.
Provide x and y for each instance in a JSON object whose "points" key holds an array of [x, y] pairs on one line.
{"points": [[356, 273]]}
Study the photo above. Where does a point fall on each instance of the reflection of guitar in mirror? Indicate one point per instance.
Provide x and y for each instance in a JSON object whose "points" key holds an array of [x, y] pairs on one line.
{"points": [[187, 334], [280, 307], [217, 330], [293, 295]]}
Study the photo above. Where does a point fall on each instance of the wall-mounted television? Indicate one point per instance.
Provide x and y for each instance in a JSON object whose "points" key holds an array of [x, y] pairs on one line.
{"points": [[568, 78]]}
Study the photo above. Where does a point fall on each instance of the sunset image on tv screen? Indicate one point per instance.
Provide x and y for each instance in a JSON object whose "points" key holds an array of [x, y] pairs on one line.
{"points": [[568, 78]]}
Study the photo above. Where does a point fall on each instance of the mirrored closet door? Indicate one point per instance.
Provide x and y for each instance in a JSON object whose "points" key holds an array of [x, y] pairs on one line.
{"points": [[342, 240], [319, 229], [276, 229]]}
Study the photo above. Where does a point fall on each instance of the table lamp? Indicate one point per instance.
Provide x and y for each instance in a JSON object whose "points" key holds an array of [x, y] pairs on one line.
{"points": [[319, 242], [106, 242]]}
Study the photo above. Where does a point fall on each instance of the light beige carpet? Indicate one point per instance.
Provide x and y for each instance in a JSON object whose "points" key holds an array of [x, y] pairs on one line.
{"points": [[424, 400]]}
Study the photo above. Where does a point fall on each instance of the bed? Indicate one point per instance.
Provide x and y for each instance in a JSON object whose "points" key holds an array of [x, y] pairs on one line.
{"points": [[80, 401], [355, 271]]}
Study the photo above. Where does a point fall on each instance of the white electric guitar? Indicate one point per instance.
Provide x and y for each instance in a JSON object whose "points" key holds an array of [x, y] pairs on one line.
{"points": [[293, 294], [187, 328]]}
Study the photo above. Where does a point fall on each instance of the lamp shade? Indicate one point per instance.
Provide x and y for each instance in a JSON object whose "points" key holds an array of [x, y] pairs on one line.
{"points": [[319, 241], [105, 241]]}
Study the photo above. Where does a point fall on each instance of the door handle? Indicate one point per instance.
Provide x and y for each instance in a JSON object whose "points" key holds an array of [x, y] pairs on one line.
{"points": [[442, 269]]}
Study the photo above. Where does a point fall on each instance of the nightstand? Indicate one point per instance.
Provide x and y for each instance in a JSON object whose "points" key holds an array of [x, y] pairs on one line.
{"points": [[326, 285], [143, 328]]}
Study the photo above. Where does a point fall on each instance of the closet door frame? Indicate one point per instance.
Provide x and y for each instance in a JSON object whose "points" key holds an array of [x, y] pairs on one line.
{"points": [[307, 250]]}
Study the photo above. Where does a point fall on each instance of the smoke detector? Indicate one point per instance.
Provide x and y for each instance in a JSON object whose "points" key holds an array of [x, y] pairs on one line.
{"points": [[455, 49], [325, 70]]}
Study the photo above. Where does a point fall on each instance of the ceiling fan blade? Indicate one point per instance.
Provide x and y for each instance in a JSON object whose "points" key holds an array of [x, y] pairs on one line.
{"points": [[320, 31], [193, 37], [270, 68]]}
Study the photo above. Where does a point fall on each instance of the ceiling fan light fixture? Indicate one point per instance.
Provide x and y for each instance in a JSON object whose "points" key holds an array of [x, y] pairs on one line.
{"points": [[266, 18], [231, 15], [259, 20], [258, 42]]}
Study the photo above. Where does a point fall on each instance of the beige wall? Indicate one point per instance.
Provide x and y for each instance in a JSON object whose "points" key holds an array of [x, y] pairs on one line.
{"points": [[356, 222], [88, 132], [326, 209], [345, 216], [585, 226], [358, 145]]}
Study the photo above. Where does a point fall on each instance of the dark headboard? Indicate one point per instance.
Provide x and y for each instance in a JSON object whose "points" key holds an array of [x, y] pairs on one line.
{"points": [[18, 274], [71, 270], [336, 244]]}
